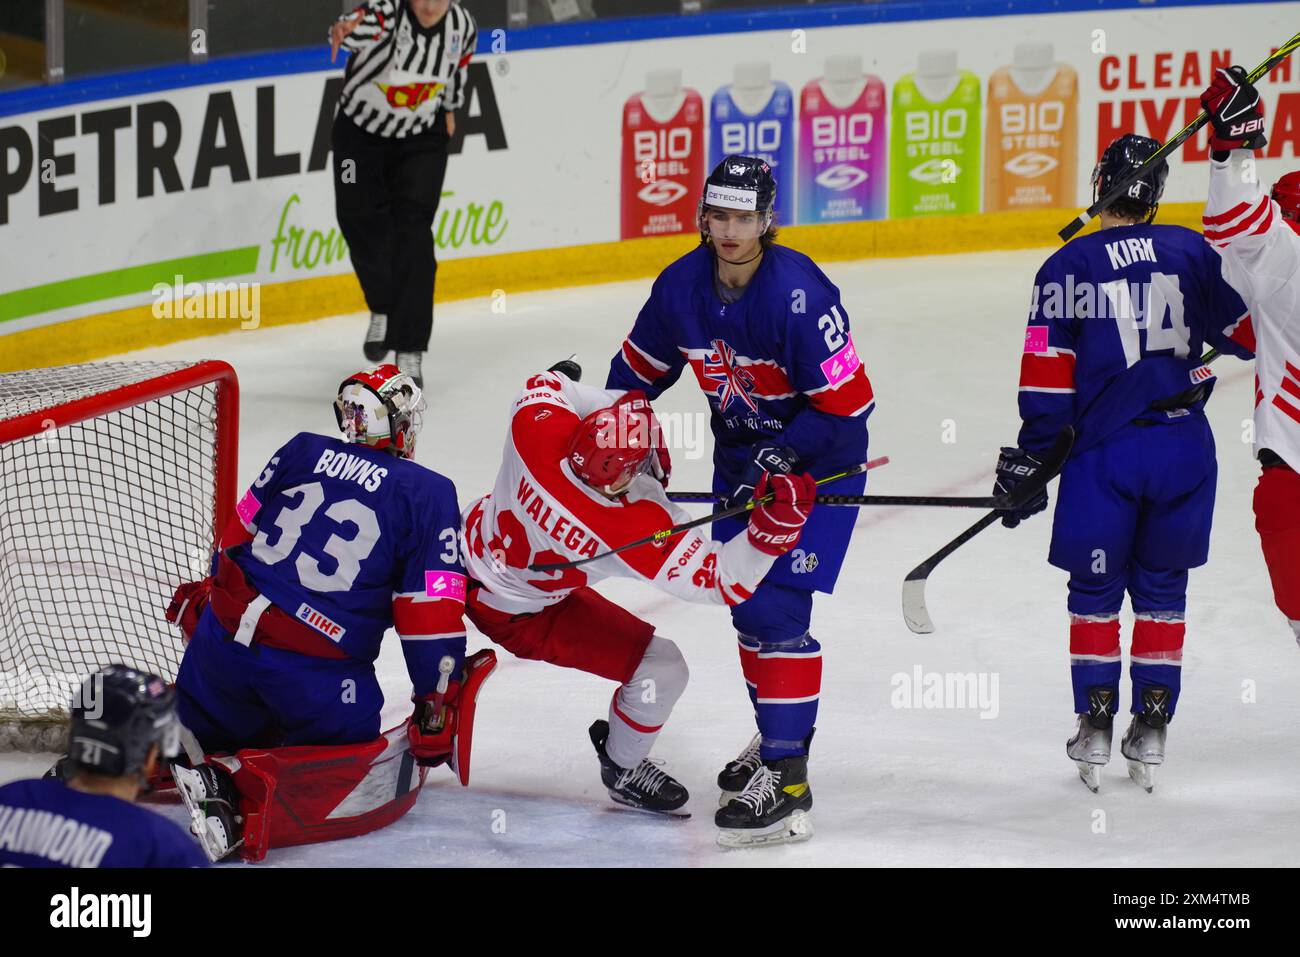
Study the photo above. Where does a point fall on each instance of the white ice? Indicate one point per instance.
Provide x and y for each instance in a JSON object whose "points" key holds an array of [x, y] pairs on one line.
{"points": [[941, 337]]}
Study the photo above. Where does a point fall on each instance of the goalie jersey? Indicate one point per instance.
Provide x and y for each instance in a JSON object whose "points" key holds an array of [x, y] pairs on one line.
{"points": [[540, 512], [351, 541], [1261, 258], [1117, 323]]}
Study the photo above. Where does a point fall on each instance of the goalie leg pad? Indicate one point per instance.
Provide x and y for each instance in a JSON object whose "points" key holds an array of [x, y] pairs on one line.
{"points": [[309, 794]]}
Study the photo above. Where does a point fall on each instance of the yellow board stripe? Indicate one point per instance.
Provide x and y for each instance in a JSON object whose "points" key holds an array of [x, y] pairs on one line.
{"points": [[106, 334]]}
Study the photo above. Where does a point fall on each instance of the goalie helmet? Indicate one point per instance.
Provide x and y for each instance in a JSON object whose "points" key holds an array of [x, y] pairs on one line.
{"points": [[1286, 193], [382, 408], [1124, 154], [118, 715], [739, 182], [610, 446]]}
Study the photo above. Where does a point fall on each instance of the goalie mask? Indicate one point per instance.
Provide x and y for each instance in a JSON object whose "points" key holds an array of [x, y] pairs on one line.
{"points": [[613, 445], [118, 715], [382, 408]]}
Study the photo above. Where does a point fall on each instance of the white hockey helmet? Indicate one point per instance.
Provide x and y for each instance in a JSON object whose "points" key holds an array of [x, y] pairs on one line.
{"points": [[382, 408]]}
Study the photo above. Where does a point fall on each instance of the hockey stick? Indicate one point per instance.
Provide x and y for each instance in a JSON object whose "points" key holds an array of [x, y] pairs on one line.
{"points": [[819, 500], [1052, 464], [1188, 131], [914, 611]]}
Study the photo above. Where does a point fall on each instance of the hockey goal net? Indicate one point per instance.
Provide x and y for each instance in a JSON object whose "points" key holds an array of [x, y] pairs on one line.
{"points": [[115, 482]]}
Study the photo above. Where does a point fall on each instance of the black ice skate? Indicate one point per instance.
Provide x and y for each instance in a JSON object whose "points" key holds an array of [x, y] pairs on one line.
{"points": [[210, 796], [376, 344], [733, 778], [1090, 746], [1144, 741], [644, 787], [773, 808]]}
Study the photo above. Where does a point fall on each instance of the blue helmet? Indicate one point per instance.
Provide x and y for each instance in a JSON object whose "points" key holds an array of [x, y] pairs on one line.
{"points": [[118, 715], [745, 183], [1123, 155]]}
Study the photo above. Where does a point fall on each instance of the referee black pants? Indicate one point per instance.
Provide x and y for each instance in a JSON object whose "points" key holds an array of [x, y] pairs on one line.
{"points": [[386, 193]]}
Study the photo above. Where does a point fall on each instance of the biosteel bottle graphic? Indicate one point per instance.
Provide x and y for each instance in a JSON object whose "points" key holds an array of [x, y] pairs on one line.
{"points": [[1031, 147], [842, 142], [755, 117], [662, 174], [934, 142]]}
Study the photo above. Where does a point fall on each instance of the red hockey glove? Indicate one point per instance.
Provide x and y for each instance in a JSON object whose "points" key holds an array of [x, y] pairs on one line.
{"points": [[775, 527], [660, 465], [432, 727], [187, 606], [1236, 112]]}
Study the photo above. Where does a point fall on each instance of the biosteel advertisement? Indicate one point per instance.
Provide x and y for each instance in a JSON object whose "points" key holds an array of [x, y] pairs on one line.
{"points": [[101, 199]]}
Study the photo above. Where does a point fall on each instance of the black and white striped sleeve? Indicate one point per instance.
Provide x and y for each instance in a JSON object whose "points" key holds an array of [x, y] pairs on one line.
{"points": [[456, 89], [378, 17]]}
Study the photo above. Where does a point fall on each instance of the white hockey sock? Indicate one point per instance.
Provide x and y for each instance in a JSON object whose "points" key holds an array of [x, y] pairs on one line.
{"points": [[639, 708]]}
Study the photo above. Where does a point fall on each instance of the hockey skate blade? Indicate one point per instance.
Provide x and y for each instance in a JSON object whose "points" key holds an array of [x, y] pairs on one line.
{"points": [[914, 610], [207, 831], [1090, 775], [792, 830], [623, 805], [1142, 774]]}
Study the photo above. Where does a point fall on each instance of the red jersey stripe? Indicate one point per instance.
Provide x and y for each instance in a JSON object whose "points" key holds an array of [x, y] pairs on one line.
{"points": [[1051, 371]]}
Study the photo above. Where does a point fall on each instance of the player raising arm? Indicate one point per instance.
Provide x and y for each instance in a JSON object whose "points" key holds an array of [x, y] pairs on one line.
{"points": [[1258, 237], [579, 478], [123, 725], [1116, 327], [336, 541]]}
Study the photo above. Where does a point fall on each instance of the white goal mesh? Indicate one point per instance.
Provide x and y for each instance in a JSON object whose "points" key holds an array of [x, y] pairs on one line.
{"points": [[115, 478]]}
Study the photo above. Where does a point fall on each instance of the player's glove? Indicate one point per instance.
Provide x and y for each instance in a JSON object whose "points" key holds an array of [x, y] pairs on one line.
{"points": [[775, 527], [1236, 112], [660, 465], [430, 730], [1016, 466], [187, 606], [764, 457], [569, 368]]}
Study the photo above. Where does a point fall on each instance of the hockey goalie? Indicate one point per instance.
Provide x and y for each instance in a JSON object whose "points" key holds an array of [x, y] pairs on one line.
{"points": [[335, 542]]}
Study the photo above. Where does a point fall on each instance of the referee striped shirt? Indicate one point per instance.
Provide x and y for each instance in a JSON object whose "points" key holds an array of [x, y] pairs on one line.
{"points": [[401, 75]]}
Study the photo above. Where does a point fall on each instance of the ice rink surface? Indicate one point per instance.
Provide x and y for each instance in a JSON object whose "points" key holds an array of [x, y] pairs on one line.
{"points": [[941, 338]]}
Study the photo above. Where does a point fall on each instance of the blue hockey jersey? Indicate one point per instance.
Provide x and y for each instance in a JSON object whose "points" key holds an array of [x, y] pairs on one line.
{"points": [[1117, 322], [779, 363], [352, 540], [45, 823]]}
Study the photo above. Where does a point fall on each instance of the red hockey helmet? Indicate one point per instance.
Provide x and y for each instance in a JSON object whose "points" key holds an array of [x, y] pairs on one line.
{"points": [[381, 407], [1286, 192], [610, 446]]}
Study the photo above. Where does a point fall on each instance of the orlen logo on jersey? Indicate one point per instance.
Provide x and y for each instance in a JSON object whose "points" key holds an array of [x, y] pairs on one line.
{"points": [[1031, 164], [685, 559], [662, 192], [840, 177], [331, 630]]}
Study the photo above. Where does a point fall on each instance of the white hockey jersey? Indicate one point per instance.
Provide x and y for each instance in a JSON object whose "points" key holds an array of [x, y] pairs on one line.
{"points": [[540, 512], [1261, 258]]}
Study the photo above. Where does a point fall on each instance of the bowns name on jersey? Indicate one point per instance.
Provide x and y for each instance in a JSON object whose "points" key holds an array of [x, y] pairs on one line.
{"points": [[343, 465]]}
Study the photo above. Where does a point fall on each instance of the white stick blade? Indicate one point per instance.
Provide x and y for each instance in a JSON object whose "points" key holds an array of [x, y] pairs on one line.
{"points": [[914, 611]]}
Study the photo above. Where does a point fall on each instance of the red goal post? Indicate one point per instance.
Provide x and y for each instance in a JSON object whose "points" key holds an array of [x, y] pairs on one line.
{"points": [[116, 480]]}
